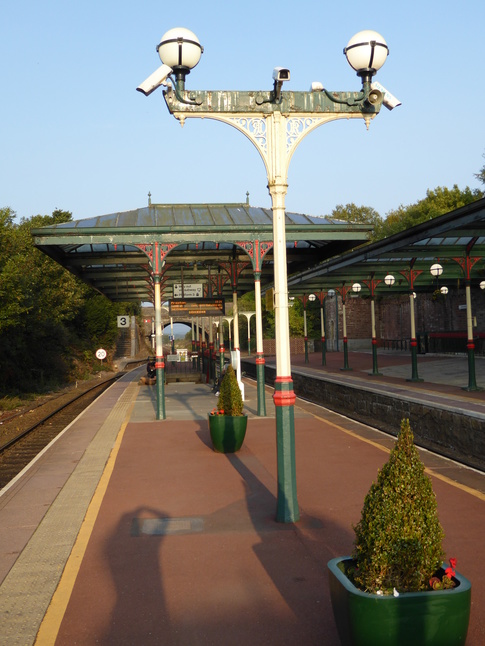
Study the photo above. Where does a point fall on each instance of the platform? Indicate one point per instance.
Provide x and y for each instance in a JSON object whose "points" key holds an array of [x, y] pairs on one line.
{"points": [[128, 530]]}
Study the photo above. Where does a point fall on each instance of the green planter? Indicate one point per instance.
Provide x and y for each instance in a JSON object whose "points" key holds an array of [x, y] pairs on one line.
{"points": [[227, 433], [437, 617]]}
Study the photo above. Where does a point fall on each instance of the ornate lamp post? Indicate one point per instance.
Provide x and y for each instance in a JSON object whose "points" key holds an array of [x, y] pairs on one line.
{"points": [[275, 122]]}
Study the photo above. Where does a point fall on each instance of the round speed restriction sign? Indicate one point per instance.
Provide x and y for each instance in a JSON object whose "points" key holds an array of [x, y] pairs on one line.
{"points": [[101, 354]]}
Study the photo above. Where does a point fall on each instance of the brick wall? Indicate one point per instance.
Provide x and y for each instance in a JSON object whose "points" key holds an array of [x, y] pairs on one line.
{"points": [[297, 346], [434, 313]]}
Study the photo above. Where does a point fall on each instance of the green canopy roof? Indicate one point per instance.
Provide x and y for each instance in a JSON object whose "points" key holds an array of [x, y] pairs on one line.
{"points": [[110, 253], [446, 239]]}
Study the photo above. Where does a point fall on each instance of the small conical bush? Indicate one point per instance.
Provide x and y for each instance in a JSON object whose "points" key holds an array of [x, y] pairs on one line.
{"points": [[398, 540], [230, 398]]}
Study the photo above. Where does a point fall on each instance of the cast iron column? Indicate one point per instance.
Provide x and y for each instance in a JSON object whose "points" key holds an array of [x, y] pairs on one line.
{"points": [[260, 362]]}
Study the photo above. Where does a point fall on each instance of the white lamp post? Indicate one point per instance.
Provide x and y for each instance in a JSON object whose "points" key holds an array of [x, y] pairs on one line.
{"points": [[275, 122]]}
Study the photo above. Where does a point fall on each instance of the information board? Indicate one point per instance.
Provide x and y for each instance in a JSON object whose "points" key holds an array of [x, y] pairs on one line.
{"points": [[197, 307], [191, 290]]}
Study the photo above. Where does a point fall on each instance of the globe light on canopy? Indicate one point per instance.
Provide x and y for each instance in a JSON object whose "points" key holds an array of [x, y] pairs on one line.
{"points": [[436, 269], [389, 280], [444, 290], [356, 287], [312, 297], [482, 284]]}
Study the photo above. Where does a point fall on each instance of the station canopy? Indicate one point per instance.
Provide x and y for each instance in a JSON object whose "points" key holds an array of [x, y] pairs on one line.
{"points": [[218, 245], [455, 240]]}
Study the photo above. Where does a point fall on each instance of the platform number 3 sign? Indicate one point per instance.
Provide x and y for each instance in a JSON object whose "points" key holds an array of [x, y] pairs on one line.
{"points": [[123, 321]]}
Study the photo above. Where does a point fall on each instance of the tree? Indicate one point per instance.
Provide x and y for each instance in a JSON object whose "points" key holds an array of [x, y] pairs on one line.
{"points": [[358, 214], [33, 287], [437, 202], [48, 317], [481, 175]]}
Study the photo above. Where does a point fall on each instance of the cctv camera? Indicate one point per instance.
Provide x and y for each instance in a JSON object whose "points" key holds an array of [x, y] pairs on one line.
{"points": [[389, 99], [156, 79], [281, 74]]}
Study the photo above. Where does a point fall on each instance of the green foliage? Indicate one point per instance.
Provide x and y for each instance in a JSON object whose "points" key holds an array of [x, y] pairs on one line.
{"points": [[357, 214], [34, 288], [437, 202], [100, 320], [295, 318], [230, 398], [481, 175], [48, 317], [398, 540]]}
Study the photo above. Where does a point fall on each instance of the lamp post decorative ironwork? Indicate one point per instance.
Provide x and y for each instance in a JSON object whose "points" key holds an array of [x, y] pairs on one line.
{"points": [[275, 122]]}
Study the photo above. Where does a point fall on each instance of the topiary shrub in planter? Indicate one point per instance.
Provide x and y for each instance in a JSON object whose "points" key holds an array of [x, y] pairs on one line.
{"points": [[398, 540], [393, 589], [227, 422], [230, 398]]}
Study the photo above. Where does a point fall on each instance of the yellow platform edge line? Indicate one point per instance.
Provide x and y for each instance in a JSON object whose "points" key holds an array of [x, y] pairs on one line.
{"points": [[51, 623], [432, 472]]}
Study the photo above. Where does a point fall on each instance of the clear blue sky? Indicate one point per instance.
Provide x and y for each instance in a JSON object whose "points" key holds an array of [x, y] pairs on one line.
{"points": [[75, 134]]}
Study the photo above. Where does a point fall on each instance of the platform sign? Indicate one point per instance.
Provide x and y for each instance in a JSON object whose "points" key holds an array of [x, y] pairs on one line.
{"points": [[197, 307], [191, 290], [123, 321]]}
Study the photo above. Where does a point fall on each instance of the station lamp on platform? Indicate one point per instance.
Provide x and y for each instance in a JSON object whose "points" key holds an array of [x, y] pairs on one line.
{"points": [[275, 121], [389, 280], [436, 270], [356, 288], [366, 53]]}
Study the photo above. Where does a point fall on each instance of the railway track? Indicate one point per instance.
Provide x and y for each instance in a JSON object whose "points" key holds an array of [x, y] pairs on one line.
{"points": [[18, 451]]}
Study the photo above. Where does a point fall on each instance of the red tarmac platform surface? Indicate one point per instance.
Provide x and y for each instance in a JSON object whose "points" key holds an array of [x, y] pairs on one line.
{"points": [[179, 545]]}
